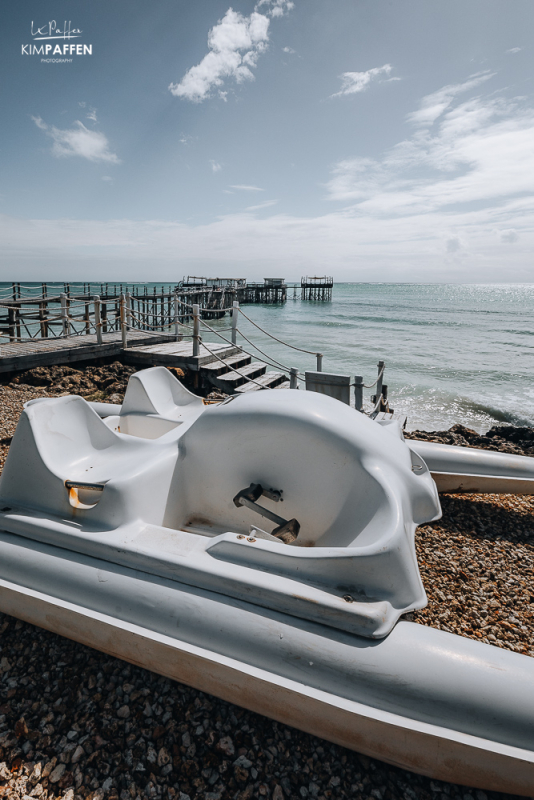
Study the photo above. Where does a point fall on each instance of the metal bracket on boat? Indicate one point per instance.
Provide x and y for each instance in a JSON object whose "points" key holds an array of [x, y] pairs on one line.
{"points": [[286, 530], [90, 492]]}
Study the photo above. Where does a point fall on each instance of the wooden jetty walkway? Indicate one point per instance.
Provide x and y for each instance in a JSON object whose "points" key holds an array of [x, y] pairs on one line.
{"points": [[30, 353], [153, 330], [218, 365]]}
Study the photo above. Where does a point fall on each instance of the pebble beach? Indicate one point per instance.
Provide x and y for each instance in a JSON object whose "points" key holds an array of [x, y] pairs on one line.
{"points": [[75, 723]]}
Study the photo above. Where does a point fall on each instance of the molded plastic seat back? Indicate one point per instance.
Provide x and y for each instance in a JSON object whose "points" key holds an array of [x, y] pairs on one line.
{"points": [[157, 391]]}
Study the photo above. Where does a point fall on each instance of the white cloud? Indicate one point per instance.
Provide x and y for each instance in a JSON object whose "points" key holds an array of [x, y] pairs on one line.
{"points": [[92, 115], [288, 50], [354, 82], [509, 236], [479, 153], [78, 141], [107, 178], [235, 44], [275, 8], [216, 167], [357, 246], [245, 188], [266, 204], [435, 104], [514, 50]]}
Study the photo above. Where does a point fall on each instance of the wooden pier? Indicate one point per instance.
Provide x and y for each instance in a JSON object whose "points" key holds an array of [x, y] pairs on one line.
{"points": [[54, 313], [316, 288], [31, 353]]}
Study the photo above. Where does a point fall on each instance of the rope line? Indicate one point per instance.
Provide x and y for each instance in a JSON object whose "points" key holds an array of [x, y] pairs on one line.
{"points": [[377, 379], [247, 379], [309, 352]]}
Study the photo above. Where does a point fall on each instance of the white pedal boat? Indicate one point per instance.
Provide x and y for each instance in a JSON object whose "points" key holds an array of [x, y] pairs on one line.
{"points": [[262, 550]]}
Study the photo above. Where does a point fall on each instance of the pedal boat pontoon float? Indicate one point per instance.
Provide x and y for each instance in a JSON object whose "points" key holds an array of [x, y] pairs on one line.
{"points": [[261, 550]]}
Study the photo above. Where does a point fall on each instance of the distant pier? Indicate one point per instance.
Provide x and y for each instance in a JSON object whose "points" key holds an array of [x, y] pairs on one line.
{"points": [[316, 288]]}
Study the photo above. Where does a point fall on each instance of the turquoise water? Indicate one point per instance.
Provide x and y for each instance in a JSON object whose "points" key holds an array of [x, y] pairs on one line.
{"points": [[453, 353]]}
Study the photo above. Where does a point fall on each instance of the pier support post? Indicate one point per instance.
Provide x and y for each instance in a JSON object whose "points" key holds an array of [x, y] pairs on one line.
{"points": [[64, 314], [124, 327], [235, 315], [129, 316], [196, 330], [293, 383], [98, 323], [176, 314], [380, 379], [319, 362], [358, 393]]}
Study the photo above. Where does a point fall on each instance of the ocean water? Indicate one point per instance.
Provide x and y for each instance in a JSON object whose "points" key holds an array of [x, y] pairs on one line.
{"points": [[453, 353]]}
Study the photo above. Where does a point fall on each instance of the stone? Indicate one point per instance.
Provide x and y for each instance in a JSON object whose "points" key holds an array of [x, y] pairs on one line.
{"points": [[242, 761], [78, 753], [5, 666], [226, 746], [57, 773], [123, 712]]}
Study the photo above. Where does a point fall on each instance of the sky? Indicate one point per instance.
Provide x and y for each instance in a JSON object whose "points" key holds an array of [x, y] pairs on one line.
{"points": [[371, 140]]}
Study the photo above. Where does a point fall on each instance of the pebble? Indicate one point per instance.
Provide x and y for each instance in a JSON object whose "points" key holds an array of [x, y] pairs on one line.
{"points": [[77, 724]]}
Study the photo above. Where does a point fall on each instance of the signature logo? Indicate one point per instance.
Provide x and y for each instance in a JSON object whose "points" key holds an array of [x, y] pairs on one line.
{"points": [[52, 31]]}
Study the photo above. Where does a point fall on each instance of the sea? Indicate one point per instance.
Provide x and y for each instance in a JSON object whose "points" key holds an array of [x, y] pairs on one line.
{"points": [[453, 353]]}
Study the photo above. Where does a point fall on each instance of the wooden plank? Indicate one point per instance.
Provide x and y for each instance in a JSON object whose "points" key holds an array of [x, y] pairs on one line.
{"points": [[218, 367], [229, 380], [18, 356], [266, 381], [157, 355]]}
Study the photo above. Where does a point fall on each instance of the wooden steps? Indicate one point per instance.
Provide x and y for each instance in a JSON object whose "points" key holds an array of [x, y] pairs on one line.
{"points": [[270, 380], [216, 368], [229, 381]]}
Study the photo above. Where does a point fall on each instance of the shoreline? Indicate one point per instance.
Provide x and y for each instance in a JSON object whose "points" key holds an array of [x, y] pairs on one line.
{"points": [[75, 723]]}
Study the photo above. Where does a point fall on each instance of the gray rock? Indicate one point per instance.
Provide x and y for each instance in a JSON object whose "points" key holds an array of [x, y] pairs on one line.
{"points": [[57, 773], [78, 753], [226, 746], [242, 761]]}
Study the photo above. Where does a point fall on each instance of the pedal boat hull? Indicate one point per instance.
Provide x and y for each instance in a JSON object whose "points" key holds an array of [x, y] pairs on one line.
{"points": [[421, 699]]}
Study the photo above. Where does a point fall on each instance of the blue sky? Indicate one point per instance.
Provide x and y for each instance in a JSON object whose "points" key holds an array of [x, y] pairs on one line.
{"points": [[369, 139]]}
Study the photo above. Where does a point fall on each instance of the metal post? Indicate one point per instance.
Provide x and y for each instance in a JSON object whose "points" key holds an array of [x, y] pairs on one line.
{"points": [[177, 332], [358, 393], [293, 384], [235, 315], [64, 314], [380, 379], [196, 330], [319, 362], [124, 329], [129, 317], [98, 324]]}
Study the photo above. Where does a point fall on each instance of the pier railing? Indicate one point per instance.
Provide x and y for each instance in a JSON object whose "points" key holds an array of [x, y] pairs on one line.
{"points": [[169, 314]]}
